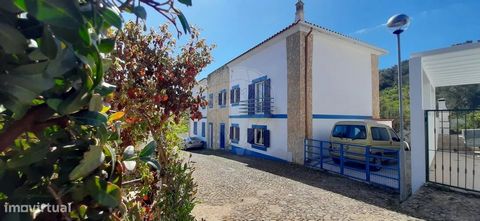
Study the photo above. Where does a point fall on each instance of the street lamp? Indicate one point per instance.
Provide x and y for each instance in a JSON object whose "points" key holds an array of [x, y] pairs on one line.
{"points": [[399, 23]]}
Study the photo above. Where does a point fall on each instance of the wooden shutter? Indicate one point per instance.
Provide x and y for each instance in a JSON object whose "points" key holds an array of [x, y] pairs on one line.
{"points": [[231, 96], [251, 99], [267, 101], [238, 133], [250, 136], [231, 133], [266, 138], [237, 95]]}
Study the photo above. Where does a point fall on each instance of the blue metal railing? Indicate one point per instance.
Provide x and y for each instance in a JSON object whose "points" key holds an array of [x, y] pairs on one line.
{"points": [[374, 165]]}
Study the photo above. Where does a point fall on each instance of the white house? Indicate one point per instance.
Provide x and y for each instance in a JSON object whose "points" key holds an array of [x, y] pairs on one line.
{"points": [[294, 85], [436, 156], [198, 128]]}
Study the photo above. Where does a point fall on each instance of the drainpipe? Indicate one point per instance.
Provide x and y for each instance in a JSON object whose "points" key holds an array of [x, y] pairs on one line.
{"points": [[307, 135]]}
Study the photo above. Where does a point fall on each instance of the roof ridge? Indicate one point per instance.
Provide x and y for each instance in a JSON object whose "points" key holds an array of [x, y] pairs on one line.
{"points": [[290, 26]]}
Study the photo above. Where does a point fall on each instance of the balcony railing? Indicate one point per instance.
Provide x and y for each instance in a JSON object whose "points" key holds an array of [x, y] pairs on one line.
{"points": [[256, 106]]}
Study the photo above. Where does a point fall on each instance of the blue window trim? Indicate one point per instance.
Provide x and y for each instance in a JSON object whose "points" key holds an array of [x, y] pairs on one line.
{"points": [[259, 147], [203, 129], [254, 126], [224, 101], [284, 116], [235, 140], [260, 79], [238, 102], [315, 116], [195, 124]]}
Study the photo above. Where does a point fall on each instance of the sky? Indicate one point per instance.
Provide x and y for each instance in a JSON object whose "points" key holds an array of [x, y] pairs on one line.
{"points": [[235, 26]]}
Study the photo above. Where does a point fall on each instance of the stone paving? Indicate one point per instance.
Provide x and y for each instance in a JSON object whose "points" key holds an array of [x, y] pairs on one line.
{"points": [[240, 188]]}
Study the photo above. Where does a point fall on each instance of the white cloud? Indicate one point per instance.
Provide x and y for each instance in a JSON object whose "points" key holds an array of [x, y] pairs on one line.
{"points": [[369, 29]]}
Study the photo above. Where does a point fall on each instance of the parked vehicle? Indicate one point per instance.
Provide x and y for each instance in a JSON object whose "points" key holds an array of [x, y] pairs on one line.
{"points": [[193, 143], [356, 136]]}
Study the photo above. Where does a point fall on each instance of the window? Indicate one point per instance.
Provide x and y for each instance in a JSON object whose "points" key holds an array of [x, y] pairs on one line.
{"points": [[210, 101], [259, 95], [394, 135], [259, 100], [259, 137], [203, 129], [195, 128], [222, 98], [350, 131], [380, 134], [235, 95], [203, 107], [234, 133]]}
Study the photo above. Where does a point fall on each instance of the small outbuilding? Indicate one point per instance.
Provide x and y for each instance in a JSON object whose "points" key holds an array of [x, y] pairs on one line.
{"points": [[440, 137]]}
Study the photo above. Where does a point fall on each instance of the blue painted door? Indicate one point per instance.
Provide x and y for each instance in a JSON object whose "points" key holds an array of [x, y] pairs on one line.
{"points": [[222, 136]]}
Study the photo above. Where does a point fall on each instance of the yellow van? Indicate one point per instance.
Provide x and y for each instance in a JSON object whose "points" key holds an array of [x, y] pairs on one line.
{"points": [[355, 136]]}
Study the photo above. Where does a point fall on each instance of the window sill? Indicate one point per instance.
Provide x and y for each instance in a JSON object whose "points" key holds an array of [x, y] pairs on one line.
{"points": [[223, 106], [234, 141], [235, 104], [259, 147]]}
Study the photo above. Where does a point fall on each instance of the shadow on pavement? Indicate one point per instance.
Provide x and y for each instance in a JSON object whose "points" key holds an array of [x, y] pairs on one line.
{"points": [[429, 203]]}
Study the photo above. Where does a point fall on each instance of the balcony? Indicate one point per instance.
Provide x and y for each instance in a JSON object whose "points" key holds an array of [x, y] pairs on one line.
{"points": [[256, 106]]}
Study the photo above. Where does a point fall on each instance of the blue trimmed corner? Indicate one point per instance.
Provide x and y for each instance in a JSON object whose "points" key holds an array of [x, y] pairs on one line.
{"points": [[244, 152]]}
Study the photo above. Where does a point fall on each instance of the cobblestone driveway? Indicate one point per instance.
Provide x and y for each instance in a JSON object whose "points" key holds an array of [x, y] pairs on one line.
{"points": [[239, 188]]}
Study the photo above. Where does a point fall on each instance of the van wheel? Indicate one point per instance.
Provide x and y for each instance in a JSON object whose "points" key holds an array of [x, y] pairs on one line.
{"points": [[376, 162]]}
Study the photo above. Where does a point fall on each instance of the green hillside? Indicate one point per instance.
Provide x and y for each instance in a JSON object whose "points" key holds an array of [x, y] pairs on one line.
{"points": [[457, 97]]}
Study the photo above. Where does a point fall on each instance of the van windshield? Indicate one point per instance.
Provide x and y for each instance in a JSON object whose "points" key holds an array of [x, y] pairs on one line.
{"points": [[350, 131]]}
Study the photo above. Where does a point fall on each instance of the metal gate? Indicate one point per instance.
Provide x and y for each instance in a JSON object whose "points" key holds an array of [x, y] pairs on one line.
{"points": [[452, 148], [375, 165]]}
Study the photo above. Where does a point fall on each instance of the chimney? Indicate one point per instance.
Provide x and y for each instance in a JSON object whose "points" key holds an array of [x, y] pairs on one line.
{"points": [[442, 104], [299, 15]]}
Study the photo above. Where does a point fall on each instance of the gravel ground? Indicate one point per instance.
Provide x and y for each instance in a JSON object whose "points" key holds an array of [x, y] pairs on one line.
{"points": [[239, 188]]}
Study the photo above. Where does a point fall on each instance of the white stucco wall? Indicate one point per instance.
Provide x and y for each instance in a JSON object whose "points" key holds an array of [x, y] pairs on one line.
{"points": [[197, 90], [417, 124], [278, 136], [270, 61], [199, 129], [342, 83]]}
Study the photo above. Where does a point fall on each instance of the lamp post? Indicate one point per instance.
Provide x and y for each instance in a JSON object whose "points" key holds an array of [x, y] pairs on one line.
{"points": [[399, 23]]}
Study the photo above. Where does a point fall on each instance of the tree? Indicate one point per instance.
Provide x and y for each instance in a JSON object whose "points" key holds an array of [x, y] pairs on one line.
{"points": [[154, 88], [389, 106], [58, 144]]}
